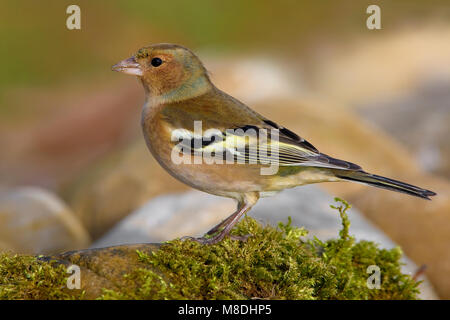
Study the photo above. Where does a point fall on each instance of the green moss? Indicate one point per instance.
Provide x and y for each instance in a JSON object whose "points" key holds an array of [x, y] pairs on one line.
{"points": [[26, 277], [274, 263], [350, 261]]}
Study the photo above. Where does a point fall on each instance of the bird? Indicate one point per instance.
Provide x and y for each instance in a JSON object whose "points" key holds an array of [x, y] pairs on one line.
{"points": [[213, 142]]}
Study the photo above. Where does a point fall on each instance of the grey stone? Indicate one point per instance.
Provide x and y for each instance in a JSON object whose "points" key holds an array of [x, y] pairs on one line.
{"points": [[36, 221]]}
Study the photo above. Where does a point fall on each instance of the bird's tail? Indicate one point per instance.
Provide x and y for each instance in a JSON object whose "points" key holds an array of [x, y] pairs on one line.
{"points": [[385, 183]]}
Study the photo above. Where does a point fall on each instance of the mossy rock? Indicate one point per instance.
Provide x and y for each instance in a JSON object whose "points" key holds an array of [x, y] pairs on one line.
{"points": [[274, 263]]}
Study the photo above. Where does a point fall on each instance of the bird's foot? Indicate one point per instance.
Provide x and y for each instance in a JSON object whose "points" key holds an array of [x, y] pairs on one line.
{"points": [[203, 240], [208, 240]]}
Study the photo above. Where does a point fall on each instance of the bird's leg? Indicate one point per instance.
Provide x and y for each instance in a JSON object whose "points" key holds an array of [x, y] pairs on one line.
{"points": [[221, 226], [227, 225], [217, 233]]}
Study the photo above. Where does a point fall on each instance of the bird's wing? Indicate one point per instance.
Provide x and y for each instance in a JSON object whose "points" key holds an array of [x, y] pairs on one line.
{"points": [[295, 150], [230, 127], [252, 144]]}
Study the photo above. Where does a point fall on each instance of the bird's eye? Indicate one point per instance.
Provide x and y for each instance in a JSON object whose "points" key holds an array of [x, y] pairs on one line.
{"points": [[156, 62]]}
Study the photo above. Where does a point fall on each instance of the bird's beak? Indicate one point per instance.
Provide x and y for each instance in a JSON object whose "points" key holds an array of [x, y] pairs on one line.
{"points": [[128, 66]]}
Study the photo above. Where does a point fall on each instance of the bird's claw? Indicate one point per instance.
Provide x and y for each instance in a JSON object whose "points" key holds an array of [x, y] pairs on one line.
{"points": [[202, 240], [215, 239]]}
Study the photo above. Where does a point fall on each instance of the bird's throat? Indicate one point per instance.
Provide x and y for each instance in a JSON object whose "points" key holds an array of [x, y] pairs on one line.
{"points": [[191, 88]]}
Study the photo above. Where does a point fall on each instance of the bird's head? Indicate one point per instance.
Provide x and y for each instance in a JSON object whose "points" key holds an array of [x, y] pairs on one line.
{"points": [[167, 71]]}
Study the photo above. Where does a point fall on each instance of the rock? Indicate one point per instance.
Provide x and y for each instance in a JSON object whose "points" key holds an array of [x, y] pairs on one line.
{"points": [[104, 269], [272, 264], [36, 221], [193, 213]]}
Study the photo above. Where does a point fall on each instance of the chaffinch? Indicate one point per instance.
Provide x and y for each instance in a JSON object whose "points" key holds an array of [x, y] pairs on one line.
{"points": [[215, 143]]}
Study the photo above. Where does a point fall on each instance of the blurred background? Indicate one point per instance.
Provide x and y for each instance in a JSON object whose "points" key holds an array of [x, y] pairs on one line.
{"points": [[73, 162]]}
